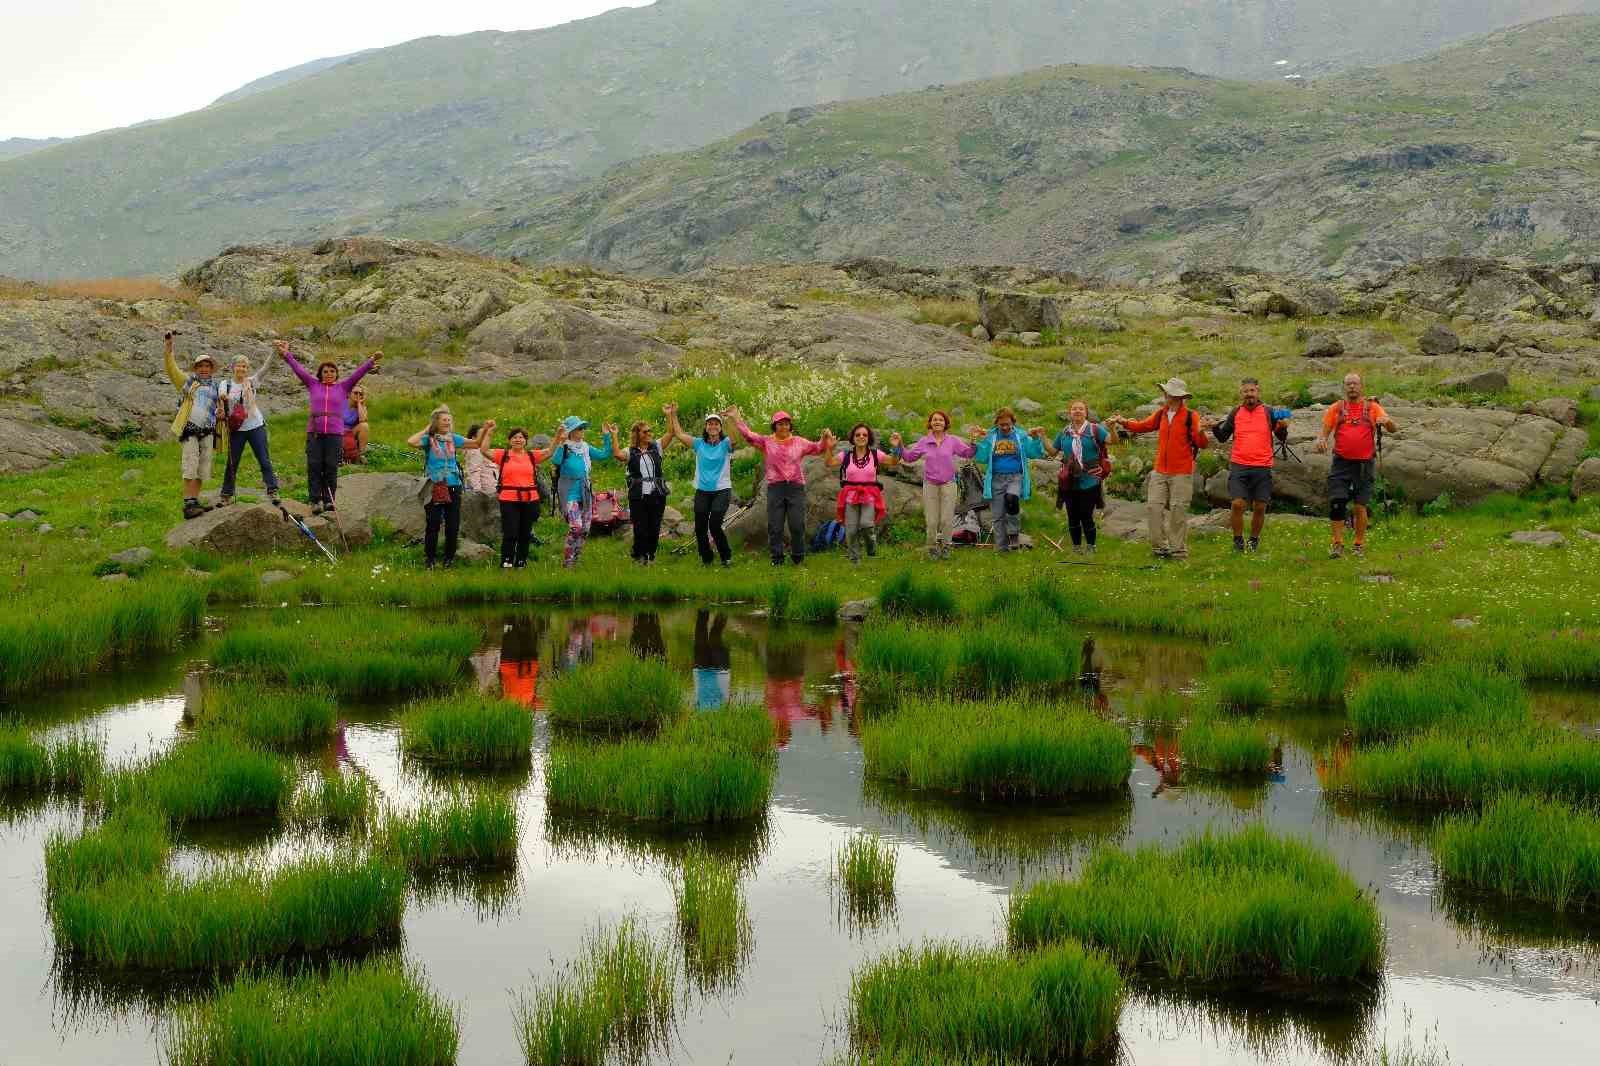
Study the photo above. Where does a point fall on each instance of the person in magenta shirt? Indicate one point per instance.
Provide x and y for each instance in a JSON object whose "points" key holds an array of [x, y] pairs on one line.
{"points": [[329, 398], [861, 507], [939, 449], [785, 456]]}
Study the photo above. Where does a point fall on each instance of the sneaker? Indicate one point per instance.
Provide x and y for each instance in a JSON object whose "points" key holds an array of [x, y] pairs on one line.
{"points": [[1238, 544], [727, 564], [328, 509], [1161, 553], [274, 499], [1088, 549], [192, 509], [1336, 551], [505, 566], [1255, 544], [224, 501], [1178, 557], [1359, 551], [317, 508], [778, 561]]}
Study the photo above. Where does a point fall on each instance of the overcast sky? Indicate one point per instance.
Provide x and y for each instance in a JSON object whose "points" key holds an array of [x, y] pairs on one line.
{"points": [[76, 66]]}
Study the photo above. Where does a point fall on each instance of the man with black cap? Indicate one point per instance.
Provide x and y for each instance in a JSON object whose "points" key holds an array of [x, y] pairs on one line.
{"points": [[1179, 438]]}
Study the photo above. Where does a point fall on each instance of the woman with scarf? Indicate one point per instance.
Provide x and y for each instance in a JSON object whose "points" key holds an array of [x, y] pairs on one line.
{"points": [[245, 426], [861, 508], [1082, 447], [574, 460], [441, 446]]}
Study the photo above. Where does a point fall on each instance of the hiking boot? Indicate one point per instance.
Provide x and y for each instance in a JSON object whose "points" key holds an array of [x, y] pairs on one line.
{"points": [[224, 501], [1359, 551], [192, 509], [1088, 549], [274, 499], [1255, 544], [317, 508], [1336, 551], [1161, 553], [1238, 544], [328, 509], [727, 564]]}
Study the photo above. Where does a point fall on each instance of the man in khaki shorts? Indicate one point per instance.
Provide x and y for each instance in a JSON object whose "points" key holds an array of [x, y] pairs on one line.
{"points": [[1179, 439], [195, 424]]}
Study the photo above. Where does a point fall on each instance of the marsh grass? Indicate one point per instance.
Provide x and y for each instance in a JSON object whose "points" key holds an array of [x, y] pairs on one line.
{"points": [[467, 730], [907, 594], [207, 778], [1040, 601], [1227, 746], [896, 655], [380, 1012], [1247, 908], [81, 630], [614, 696], [788, 602], [1450, 768], [63, 767], [1455, 695], [337, 802], [713, 920], [1318, 667], [958, 1003], [1240, 676], [1525, 848], [351, 652], [1160, 708], [617, 998], [864, 872], [476, 830], [131, 844], [1000, 750], [271, 717], [982, 658]]}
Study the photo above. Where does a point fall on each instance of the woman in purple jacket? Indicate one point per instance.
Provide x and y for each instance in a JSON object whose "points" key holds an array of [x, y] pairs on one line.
{"points": [[329, 397], [939, 448]]}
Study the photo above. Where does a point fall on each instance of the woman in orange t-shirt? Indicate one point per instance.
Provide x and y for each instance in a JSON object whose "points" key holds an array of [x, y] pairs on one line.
{"points": [[517, 467]]}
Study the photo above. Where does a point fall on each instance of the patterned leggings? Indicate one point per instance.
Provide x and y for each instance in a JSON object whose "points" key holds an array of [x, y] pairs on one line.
{"points": [[578, 512]]}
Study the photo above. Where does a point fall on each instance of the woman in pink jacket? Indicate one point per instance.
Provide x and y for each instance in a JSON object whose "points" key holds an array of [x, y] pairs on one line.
{"points": [[784, 453], [329, 397]]}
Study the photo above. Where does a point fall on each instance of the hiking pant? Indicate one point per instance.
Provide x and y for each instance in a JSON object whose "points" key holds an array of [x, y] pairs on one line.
{"points": [[323, 452], [516, 529], [646, 511], [447, 515], [786, 508], [860, 524], [939, 512], [1080, 514], [578, 511], [257, 439], [1007, 527], [710, 508], [1168, 497]]}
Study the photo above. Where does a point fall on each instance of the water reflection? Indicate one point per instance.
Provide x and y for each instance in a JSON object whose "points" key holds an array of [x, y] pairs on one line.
{"points": [[588, 838], [713, 662]]}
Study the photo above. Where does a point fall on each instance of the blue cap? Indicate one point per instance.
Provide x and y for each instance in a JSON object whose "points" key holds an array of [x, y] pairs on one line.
{"points": [[572, 422]]}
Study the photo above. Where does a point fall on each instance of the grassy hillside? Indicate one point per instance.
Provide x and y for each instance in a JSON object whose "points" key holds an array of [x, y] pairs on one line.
{"points": [[1490, 147], [412, 140]]}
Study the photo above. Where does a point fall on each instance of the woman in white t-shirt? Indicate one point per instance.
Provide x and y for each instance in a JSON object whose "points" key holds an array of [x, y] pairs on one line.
{"points": [[245, 426], [713, 482]]}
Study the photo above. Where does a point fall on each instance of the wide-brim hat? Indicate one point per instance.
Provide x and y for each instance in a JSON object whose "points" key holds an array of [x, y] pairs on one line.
{"points": [[573, 422], [203, 359], [1176, 387], [781, 416]]}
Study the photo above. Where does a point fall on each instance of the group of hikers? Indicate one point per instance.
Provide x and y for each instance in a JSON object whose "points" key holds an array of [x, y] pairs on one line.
{"points": [[336, 432]]}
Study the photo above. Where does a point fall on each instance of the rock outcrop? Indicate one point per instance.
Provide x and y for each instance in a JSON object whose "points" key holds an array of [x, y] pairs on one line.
{"points": [[260, 529]]}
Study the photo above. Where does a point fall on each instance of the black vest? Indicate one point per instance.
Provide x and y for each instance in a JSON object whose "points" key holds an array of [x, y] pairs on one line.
{"points": [[636, 482]]}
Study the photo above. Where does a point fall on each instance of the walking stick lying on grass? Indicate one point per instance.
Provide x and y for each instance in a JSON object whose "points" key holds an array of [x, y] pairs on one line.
{"points": [[312, 537]]}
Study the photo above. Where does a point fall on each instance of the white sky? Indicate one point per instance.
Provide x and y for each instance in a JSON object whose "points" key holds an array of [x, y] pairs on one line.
{"points": [[76, 66]]}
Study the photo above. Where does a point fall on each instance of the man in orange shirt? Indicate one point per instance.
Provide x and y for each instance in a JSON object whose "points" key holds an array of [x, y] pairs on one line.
{"points": [[1179, 438], [1251, 425], [1352, 424]]}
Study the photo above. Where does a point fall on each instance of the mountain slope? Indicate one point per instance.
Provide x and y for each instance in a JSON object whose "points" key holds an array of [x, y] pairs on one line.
{"points": [[411, 139], [1489, 147], [12, 147], [287, 76]]}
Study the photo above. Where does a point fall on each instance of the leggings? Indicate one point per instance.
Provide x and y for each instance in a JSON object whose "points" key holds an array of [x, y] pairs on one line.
{"points": [[323, 453], [578, 511], [257, 439], [516, 530], [860, 524], [710, 508], [448, 515], [646, 511], [1080, 514]]}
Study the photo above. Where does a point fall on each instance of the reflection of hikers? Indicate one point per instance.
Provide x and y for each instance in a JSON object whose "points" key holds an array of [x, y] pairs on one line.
{"points": [[519, 660], [713, 482], [939, 449], [1007, 482], [1084, 460], [195, 424], [442, 500], [1354, 424], [245, 426], [328, 398], [713, 679], [516, 484], [1252, 426], [645, 640], [647, 490], [1179, 439], [786, 690], [786, 480], [861, 508], [575, 459]]}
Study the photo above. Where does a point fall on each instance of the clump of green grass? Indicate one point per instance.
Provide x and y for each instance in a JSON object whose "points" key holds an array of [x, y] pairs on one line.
{"points": [[88, 627], [271, 717], [1318, 667], [352, 652], [1040, 601], [1240, 676], [1247, 908], [993, 657], [997, 750], [787, 602], [1526, 848], [207, 778], [380, 1012], [615, 696], [712, 917], [1390, 643], [617, 998], [63, 767], [1452, 768], [864, 871], [709, 768], [1162, 708], [909, 595], [131, 844], [1227, 746], [1396, 703], [478, 830], [905, 655], [951, 1002], [468, 729], [337, 803]]}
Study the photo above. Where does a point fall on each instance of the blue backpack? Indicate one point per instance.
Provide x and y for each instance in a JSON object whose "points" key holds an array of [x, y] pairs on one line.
{"points": [[828, 535]]}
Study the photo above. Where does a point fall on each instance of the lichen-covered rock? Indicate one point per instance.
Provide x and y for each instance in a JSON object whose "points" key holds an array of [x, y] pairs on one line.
{"points": [[1586, 479], [1438, 340]]}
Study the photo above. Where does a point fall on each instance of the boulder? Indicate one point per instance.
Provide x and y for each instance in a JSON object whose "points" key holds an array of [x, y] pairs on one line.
{"points": [[130, 559], [1030, 339], [1561, 409], [470, 551], [1323, 346], [118, 576], [1325, 392], [1586, 479], [260, 529], [1564, 457], [1094, 323], [1265, 303], [391, 502], [1025, 406], [980, 334], [1001, 311], [28, 445], [1491, 380], [902, 499], [1538, 538], [856, 610], [1437, 340], [276, 577], [562, 341]]}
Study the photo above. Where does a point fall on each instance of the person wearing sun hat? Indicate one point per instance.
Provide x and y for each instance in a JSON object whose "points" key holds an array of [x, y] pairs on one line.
{"points": [[1179, 438], [195, 423], [786, 480], [713, 481], [574, 461]]}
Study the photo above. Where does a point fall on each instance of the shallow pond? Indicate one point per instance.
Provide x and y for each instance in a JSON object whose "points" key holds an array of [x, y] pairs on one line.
{"points": [[1489, 985]]}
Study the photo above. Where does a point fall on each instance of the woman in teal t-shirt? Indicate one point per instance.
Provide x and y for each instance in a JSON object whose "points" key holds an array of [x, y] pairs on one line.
{"points": [[713, 482], [441, 469]]}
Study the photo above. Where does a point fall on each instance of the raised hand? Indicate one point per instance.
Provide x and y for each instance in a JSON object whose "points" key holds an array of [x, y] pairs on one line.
{"points": [[669, 409], [895, 439], [279, 346], [377, 360]]}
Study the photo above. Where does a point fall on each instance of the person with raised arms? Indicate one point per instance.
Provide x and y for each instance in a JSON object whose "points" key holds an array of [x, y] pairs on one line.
{"points": [[242, 415], [194, 423], [647, 489], [860, 506], [328, 397], [1352, 426], [785, 455], [713, 482], [1082, 447], [574, 460], [1179, 438], [516, 485], [1004, 453], [441, 467], [939, 449], [1251, 426]]}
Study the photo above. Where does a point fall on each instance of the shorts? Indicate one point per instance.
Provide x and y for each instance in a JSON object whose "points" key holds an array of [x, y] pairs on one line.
{"points": [[1252, 483], [1350, 481], [196, 453]]}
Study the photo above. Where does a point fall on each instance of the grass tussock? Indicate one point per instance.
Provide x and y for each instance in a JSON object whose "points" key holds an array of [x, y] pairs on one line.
{"points": [[478, 831], [349, 652], [1227, 746], [84, 630], [129, 845], [205, 779], [1450, 768], [467, 730], [617, 999], [1397, 703], [1525, 848], [788, 602], [909, 594], [339, 803], [270, 717], [864, 871], [1318, 667], [1243, 908], [1160, 708], [951, 1002], [713, 920], [63, 767], [380, 1012], [997, 750], [978, 659], [615, 696]]}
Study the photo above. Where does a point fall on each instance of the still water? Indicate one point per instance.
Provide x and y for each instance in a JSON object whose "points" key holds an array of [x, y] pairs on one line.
{"points": [[1489, 984]]}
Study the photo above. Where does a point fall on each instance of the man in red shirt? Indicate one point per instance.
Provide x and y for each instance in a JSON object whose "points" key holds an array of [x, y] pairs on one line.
{"points": [[1251, 426], [1179, 438], [1353, 425]]}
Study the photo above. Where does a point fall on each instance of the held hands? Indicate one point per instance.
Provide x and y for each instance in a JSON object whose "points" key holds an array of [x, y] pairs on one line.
{"points": [[670, 410], [1037, 432], [896, 440], [560, 436], [281, 347], [610, 428]]}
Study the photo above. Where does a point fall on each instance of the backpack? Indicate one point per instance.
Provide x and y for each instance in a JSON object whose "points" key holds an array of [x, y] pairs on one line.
{"points": [[829, 534], [1280, 426], [500, 474], [608, 512], [844, 465]]}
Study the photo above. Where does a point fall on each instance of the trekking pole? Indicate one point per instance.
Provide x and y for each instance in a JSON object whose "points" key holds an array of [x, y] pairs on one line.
{"points": [[312, 537]]}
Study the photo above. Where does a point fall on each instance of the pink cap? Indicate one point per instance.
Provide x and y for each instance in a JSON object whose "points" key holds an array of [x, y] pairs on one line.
{"points": [[781, 416]]}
